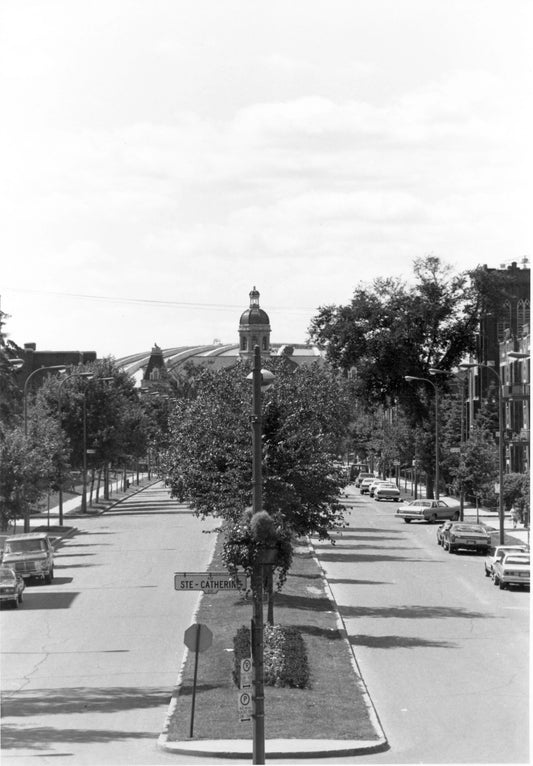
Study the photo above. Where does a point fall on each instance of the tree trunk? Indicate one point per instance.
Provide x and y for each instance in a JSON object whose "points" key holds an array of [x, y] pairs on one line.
{"points": [[98, 483]]}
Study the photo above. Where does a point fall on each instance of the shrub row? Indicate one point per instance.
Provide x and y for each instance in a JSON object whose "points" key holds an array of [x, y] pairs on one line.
{"points": [[284, 653]]}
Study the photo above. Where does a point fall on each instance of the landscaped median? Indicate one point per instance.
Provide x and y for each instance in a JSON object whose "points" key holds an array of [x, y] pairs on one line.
{"points": [[334, 714]]}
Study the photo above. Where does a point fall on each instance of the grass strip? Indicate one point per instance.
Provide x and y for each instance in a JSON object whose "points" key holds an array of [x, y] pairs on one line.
{"points": [[332, 708]]}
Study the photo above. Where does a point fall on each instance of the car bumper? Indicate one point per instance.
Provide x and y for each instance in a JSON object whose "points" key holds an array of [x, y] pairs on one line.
{"points": [[470, 545]]}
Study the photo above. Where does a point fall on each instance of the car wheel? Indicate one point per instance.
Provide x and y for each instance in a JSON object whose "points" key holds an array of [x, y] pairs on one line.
{"points": [[451, 549], [487, 572], [502, 585], [433, 518], [455, 516], [407, 521], [16, 604], [48, 578], [21, 598], [495, 580]]}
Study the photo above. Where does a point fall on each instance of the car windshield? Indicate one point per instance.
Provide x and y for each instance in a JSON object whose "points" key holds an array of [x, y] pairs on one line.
{"points": [[7, 574], [422, 503], [19, 546]]}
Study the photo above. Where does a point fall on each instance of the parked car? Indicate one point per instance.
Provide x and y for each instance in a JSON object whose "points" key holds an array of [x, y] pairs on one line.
{"points": [[512, 569], [365, 483], [363, 475], [498, 552], [441, 529], [427, 510], [387, 491], [30, 555], [11, 586], [375, 484], [472, 537], [355, 470]]}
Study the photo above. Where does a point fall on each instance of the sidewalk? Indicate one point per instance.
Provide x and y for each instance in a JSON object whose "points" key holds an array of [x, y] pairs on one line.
{"points": [[48, 521]]}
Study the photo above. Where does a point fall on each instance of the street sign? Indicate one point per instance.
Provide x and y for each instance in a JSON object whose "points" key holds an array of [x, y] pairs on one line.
{"points": [[246, 673], [396, 462], [209, 582], [455, 449], [198, 637], [245, 706]]}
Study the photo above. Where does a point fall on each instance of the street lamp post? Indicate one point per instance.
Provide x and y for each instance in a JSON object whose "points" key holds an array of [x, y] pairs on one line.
{"points": [[501, 443], [87, 375], [261, 379], [435, 371], [431, 383]]}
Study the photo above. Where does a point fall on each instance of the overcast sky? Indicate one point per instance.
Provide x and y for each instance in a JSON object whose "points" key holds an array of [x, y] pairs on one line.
{"points": [[160, 158]]}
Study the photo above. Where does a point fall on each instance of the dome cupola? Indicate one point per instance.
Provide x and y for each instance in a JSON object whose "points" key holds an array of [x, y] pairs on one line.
{"points": [[254, 328]]}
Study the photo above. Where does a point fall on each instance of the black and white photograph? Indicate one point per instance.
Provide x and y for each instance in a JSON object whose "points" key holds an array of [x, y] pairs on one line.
{"points": [[265, 382]]}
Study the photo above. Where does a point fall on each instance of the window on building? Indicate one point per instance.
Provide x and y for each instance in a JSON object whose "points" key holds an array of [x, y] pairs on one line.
{"points": [[265, 345], [504, 322], [522, 316], [243, 342]]}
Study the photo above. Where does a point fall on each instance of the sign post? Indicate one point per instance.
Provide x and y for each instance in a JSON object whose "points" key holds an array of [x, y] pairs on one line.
{"points": [[197, 638]]}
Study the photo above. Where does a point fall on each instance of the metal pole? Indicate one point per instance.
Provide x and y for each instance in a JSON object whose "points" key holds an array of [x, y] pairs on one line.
{"points": [[437, 475], [258, 715], [84, 470], [501, 459]]}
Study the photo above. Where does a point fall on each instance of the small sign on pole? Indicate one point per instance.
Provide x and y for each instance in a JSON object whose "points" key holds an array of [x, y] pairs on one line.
{"points": [[246, 673], [245, 706]]}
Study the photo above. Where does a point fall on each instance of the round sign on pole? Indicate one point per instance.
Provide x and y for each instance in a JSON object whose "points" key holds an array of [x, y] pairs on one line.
{"points": [[198, 637]]}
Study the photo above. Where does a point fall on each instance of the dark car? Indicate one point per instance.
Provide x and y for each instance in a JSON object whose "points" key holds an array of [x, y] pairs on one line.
{"points": [[472, 537], [11, 586]]}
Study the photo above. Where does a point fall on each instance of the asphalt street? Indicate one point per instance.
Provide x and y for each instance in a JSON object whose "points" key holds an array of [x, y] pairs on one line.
{"points": [[89, 663], [444, 654]]}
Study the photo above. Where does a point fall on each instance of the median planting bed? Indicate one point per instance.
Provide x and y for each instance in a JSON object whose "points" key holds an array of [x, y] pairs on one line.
{"points": [[332, 706]]}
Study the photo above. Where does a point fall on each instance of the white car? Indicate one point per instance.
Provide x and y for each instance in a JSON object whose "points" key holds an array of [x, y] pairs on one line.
{"points": [[427, 510], [387, 491], [512, 569], [364, 486], [375, 484], [498, 552]]}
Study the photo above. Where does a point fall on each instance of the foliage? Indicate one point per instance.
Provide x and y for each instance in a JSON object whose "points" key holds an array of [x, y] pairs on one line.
{"points": [[477, 468], [242, 547], [284, 652], [116, 425], [209, 460], [516, 488], [391, 329], [28, 466]]}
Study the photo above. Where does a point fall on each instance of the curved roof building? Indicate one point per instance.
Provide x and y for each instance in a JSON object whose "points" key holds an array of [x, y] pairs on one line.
{"points": [[254, 329]]}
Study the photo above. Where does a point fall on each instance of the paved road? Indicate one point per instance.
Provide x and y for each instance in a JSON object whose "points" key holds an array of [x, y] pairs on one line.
{"points": [[443, 652], [89, 663]]}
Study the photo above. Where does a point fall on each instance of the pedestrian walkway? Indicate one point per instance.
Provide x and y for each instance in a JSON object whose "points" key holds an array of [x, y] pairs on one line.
{"points": [[72, 507]]}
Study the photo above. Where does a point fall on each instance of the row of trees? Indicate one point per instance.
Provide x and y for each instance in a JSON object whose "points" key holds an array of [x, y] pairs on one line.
{"points": [[392, 329], [199, 431], [42, 439]]}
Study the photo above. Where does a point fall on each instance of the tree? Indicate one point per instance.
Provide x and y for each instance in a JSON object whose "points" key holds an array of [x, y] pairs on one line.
{"points": [[209, 461], [390, 330], [28, 466]]}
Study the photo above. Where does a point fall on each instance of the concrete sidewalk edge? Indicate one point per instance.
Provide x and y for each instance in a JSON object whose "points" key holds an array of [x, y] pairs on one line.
{"points": [[274, 748]]}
